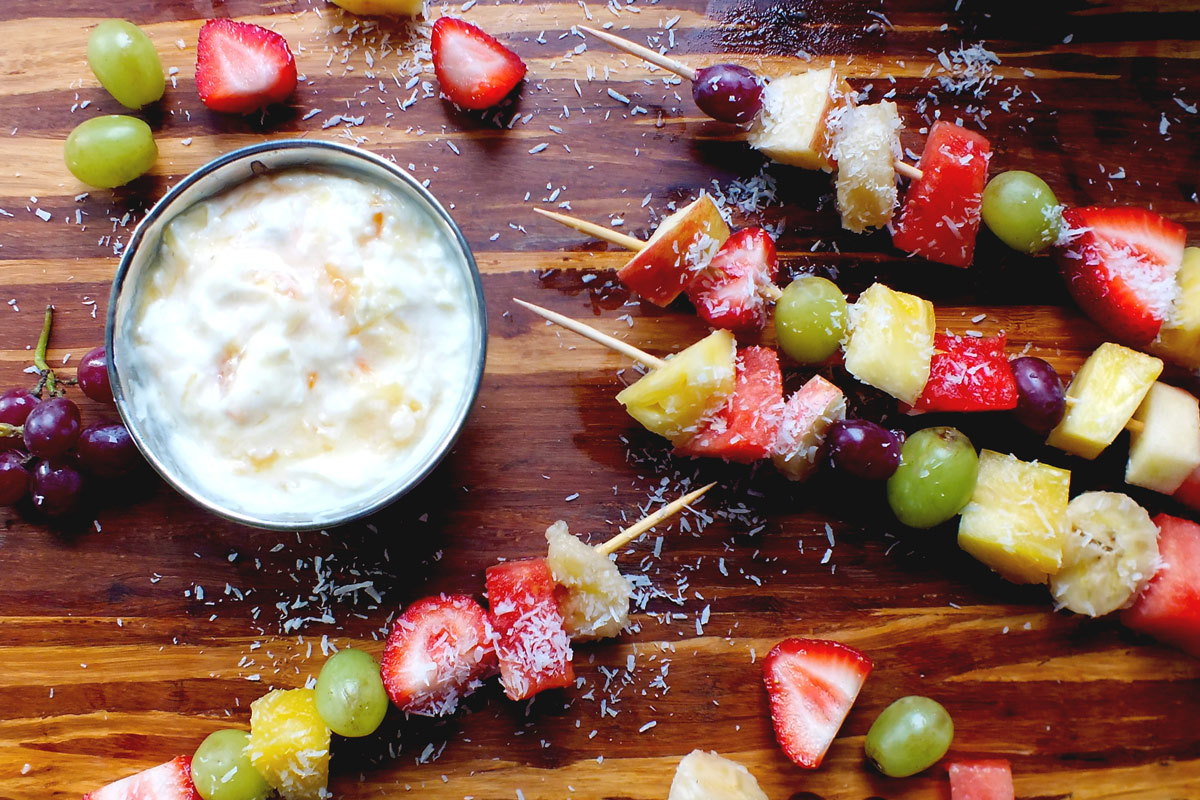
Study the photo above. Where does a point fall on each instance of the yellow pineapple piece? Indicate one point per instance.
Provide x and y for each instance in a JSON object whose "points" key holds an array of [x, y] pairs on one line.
{"points": [[407, 8], [1017, 517], [289, 743], [1167, 448], [793, 126], [865, 145], [1101, 399], [891, 341], [1179, 339], [597, 604], [671, 399]]}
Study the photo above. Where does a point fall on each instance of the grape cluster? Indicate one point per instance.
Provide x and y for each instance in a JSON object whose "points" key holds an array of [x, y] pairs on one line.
{"points": [[45, 451]]}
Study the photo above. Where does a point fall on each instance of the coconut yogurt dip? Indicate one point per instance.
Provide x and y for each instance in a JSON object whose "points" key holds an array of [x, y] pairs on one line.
{"points": [[300, 340]]}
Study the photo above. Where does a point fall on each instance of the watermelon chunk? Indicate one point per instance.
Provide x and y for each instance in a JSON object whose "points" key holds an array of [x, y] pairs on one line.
{"points": [[169, 781], [1188, 492], [1169, 608], [981, 780], [744, 429], [969, 374], [940, 216], [531, 638]]}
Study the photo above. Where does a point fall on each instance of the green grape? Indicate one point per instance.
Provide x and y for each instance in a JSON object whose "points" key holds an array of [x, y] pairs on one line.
{"points": [[221, 769], [935, 478], [350, 694], [110, 151], [810, 319], [908, 736], [125, 62], [1022, 211]]}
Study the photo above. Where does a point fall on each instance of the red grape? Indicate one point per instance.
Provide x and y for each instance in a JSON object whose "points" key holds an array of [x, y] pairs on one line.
{"points": [[728, 92], [93, 376], [106, 449], [864, 449], [57, 488], [14, 478], [52, 427], [15, 405], [1040, 398]]}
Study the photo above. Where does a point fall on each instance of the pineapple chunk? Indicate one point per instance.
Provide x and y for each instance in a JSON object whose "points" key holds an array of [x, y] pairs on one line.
{"points": [[597, 603], [289, 743], [891, 341], [864, 147], [670, 400], [1167, 449], [1105, 392], [708, 776], [793, 127], [1179, 338], [1017, 517], [366, 8]]}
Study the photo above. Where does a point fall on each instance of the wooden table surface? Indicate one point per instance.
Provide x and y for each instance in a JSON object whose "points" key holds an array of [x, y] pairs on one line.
{"points": [[124, 642]]}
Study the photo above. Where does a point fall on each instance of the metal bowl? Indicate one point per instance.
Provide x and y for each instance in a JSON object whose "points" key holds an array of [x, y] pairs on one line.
{"points": [[211, 179]]}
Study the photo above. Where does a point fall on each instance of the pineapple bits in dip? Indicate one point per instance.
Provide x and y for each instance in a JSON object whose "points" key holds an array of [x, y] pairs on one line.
{"points": [[301, 340]]}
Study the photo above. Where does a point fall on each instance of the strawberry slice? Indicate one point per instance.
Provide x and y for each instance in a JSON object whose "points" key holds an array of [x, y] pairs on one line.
{"points": [[812, 683], [474, 69], [981, 780], [531, 640], [941, 212], [1169, 607], [744, 429], [242, 67], [169, 781], [438, 651], [969, 373], [734, 289], [1120, 265]]}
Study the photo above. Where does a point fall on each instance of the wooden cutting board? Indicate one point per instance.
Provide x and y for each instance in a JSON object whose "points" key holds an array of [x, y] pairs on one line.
{"points": [[125, 641]]}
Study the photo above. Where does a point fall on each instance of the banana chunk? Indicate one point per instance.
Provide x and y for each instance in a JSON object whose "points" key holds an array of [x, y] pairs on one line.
{"points": [[1110, 553], [708, 776]]}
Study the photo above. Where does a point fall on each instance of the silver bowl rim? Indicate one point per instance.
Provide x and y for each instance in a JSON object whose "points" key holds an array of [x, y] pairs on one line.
{"points": [[163, 208]]}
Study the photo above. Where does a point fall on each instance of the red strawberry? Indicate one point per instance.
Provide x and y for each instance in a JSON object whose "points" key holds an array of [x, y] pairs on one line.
{"points": [[531, 642], [169, 781], [438, 651], [733, 290], [969, 374], [1169, 608], [981, 780], [242, 67], [744, 429], [812, 683], [1120, 266], [474, 69]]}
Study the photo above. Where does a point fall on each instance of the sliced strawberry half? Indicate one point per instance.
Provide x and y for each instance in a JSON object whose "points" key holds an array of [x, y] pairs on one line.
{"points": [[242, 67], [1169, 607], [169, 781], [744, 429], [734, 290], [531, 638], [812, 683], [981, 780], [969, 373], [474, 69], [438, 652], [1120, 266]]}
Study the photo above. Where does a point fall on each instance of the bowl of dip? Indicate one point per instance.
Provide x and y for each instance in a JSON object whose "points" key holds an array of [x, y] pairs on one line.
{"points": [[296, 334]]}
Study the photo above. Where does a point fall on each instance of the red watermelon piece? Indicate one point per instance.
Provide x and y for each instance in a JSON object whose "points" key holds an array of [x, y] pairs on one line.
{"points": [[744, 429], [1169, 608], [981, 780], [969, 373], [531, 641]]}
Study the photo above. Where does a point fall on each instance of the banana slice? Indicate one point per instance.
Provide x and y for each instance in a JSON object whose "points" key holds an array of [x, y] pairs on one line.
{"points": [[708, 776], [1110, 552]]}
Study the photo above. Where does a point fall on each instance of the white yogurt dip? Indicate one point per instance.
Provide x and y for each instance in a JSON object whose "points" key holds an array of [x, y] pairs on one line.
{"points": [[301, 341]]}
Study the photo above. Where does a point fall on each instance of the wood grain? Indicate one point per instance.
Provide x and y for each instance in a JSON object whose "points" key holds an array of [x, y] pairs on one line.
{"points": [[111, 661]]}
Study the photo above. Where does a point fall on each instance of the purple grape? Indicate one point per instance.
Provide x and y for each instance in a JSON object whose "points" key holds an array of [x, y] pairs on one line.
{"points": [[57, 488], [15, 405], [14, 478], [106, 449], [864, 449], [52, 427], [93, 376], [728, 92], [1040, 398]]}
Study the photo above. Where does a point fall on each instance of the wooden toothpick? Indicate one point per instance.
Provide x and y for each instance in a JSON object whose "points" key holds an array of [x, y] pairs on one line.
{"points": [[588, 332], [646, 523], [592, 229]]}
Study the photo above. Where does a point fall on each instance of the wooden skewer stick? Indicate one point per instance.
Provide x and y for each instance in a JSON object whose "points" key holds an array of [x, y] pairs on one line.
{"points": [[646, 523], [684, 71], [592, 229], [1133, 425], [589, 332]]}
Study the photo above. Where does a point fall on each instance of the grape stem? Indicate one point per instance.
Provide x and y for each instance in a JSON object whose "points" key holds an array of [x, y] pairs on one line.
{"points": [[8, 431], [39, 355]]}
